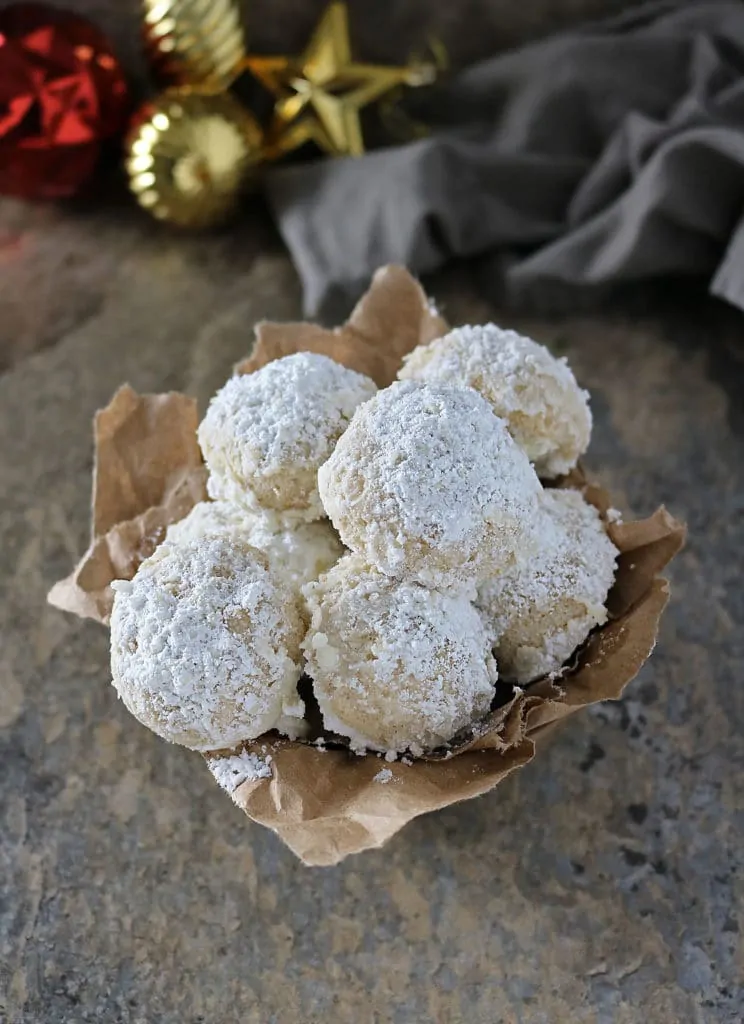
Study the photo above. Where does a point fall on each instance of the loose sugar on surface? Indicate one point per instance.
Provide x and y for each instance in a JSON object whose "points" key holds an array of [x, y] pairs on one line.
{"points": [[231, 772]]}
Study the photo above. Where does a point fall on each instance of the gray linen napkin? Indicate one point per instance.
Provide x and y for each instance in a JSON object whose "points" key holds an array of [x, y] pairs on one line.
{"points": [[612, 153]]}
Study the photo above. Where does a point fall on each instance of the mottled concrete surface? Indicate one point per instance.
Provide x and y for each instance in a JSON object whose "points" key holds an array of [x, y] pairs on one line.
{"points": [[601, 884]]}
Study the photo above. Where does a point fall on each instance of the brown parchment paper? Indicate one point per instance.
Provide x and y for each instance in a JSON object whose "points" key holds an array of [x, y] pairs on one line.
{"points": [[392, 318], [148, 472], [326, 803]]}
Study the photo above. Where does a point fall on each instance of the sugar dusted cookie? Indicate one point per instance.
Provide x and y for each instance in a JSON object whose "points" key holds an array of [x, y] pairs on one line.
{"points": [[298, 553], [427, 484], [209, 519], [537, 394], [395, 667], [205, 644], [266, 433], [541, 611]]}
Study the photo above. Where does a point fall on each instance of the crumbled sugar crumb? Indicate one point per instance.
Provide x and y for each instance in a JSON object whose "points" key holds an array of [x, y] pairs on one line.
{"points": [[614, 515], [384, 776], [231, 772], [407, 762]]}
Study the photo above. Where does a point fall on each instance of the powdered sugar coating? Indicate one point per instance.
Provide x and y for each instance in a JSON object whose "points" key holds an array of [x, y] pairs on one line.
{"points": [[537, 394], [298, 553], [429, 485], [209, 519], [395, 666], [540, 612], [205, 643], [266, 433], [231, 772]]}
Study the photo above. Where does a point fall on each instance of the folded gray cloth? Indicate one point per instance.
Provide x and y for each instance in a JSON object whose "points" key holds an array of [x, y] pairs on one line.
{"points": [[612, 153]]}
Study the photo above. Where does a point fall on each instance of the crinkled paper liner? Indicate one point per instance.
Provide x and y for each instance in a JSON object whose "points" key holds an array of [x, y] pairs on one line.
{"points": [[326, 803]]}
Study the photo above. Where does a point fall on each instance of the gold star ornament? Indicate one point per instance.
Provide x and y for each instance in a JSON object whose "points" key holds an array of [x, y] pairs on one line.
{"points": [[318, 95], [193, 150]]}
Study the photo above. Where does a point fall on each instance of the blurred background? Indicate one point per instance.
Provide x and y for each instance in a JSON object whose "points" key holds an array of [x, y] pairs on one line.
{"points": [[385, 31], [64, 256]]}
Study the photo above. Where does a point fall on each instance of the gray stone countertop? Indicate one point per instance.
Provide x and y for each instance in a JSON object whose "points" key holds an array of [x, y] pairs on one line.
{"points": [[601, 884]]}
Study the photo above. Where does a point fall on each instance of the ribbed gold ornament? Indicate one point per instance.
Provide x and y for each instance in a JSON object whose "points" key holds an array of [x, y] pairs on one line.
{"points": [[190, 154], [194, 42]]}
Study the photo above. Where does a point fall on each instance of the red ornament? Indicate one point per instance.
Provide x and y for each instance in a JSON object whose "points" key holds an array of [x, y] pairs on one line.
{"points": [[62, 93]]}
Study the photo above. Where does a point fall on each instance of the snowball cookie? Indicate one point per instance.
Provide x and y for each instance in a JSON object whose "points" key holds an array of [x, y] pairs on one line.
{"points": [[395, 666], [266, 433], [297, 553], [209, 519], [429, 485], [205, 644], [540, 612], [537, 394]]}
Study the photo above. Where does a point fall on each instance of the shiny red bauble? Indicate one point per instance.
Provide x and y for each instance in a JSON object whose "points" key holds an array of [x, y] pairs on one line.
{"points": [[62, 94]]}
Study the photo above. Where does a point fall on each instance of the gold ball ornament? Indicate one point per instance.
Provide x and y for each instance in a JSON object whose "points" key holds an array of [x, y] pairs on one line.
{"points": [[190, 154], [194, 42]]}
